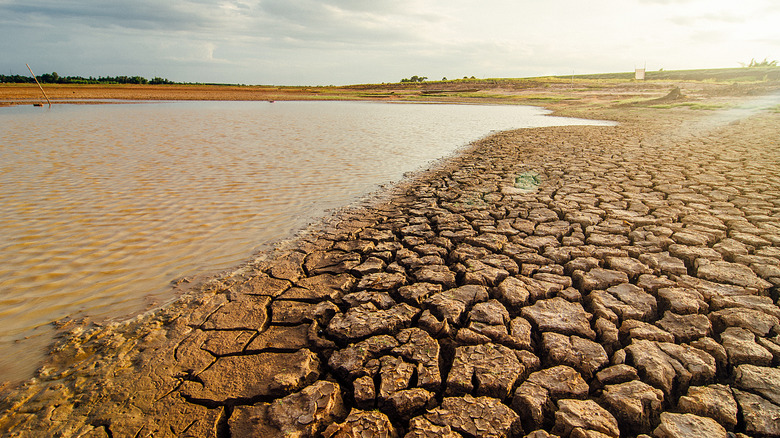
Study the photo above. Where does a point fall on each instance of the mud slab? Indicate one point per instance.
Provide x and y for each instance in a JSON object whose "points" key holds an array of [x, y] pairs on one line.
{"points": [[634, 291]]}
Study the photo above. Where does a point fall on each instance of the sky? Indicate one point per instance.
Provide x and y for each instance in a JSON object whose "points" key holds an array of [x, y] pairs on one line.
{"points": [[341, 42]]}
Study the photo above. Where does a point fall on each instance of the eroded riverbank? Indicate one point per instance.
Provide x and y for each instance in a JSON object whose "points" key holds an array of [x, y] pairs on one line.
{"points": [[634, 291]]}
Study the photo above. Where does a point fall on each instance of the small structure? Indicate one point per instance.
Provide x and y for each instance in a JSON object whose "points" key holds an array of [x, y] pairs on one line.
{"points": [[639, 74]]}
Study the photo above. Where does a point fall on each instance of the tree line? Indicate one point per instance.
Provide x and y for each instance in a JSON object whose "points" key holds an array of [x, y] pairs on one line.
{"points": [[54, 78]]}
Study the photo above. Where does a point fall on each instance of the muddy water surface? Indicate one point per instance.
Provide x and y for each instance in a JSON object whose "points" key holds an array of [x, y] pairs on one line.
{"points": [[101, 206]]}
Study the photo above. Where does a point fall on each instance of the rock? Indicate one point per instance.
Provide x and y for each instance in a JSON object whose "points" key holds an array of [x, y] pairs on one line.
{"points": [[419, 427], [714, 401], [741, 347], [682, 301], [663, 263], [249, 313], [492, 368], [584, 414], [689, 254], [754, 302], [608, 335], [451, 304], [632, 267], [418, 347], [405, 403], [476, 417], [362, 424], [433, 325], [622, 302], [688, 426], [760, 415], [599, 279], [560, 316], [372, 265], [582, 354], [380, 300], [382, 281], [491, 312], [635, 404], [482, 274], [616, 374], [395, 375], [513, 293], [729, 273], [685, 328], [366, 320], [308, 412], [436, 274], [536, 397], [251, 376], [520, 330], [632, 330], [349, 362], [670, 367], [713, 349], [759, 323], [331, 262], [364, 392], [764, 381], [609, 240], [418, 292], [296, 312], [320, 287]]}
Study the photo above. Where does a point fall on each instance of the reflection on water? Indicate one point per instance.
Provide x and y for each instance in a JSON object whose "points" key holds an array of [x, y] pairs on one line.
{"points": [[102, 206]]}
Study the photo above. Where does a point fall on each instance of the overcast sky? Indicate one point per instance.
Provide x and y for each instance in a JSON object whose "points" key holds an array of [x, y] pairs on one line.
{"points": [[308, 42]]}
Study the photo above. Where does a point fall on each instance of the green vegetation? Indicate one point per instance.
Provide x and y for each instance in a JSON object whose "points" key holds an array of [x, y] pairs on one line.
{"points": [[415, 78], [54, 78], [753, 63], [757, 73]]}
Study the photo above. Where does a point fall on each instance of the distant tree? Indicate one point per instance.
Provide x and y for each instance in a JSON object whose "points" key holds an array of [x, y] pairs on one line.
{"points": [[444, 78], [415, 78], [764, 63]]}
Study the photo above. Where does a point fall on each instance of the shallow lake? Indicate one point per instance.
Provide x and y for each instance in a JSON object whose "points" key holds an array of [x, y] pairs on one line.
{"points": [[101, 206]]}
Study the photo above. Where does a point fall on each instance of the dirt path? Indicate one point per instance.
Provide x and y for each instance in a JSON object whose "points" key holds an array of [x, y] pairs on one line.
{"points": [[634, 291]]}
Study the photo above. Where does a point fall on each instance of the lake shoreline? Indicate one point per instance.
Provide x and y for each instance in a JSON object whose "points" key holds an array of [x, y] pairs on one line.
{"points": [[611, 202]]}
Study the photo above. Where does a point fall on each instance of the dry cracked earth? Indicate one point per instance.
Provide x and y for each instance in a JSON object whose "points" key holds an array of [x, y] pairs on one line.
{"points": [[633, 292]]}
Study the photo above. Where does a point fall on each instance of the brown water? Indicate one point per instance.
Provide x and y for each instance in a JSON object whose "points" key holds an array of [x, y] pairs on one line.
{"points": [[101, 206]]}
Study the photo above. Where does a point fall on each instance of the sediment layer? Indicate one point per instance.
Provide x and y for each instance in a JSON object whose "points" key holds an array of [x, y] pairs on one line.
{"points": [[633, 291]]}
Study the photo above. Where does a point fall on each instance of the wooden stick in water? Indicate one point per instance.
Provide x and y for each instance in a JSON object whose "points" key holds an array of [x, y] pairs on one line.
{"points": [[39, 84]]}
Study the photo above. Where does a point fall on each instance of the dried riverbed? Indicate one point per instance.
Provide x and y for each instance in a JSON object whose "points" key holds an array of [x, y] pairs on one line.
{"points": [[634, 291]]}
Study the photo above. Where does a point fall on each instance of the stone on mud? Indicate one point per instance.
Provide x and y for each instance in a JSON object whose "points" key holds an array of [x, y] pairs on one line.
{"points": [[366, 320], [685, 328], [406, 403], [671, 367], [308, 412], [761, 380], [252, 376], [492, 368], [476, 417], [729, 273], [420, 427], [451, 304], [622, 302], [536, 397], [362, 424], [714, 401], [582, 354], [741, 347], [635, 404], [761, 416], [584, 414], [688, 426], [599, 279], [560, 316]]}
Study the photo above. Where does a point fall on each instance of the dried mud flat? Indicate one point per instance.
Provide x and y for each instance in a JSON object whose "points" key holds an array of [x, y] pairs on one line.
{"points": [[634, 291]]}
